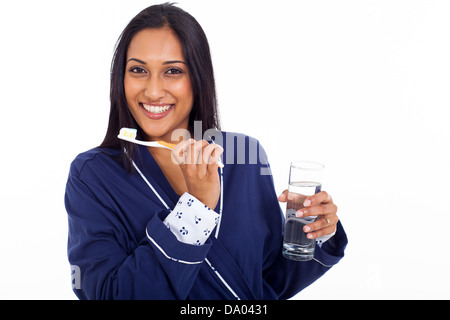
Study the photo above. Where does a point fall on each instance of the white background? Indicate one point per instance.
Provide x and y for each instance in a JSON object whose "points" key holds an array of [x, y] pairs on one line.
{"points": [[362, 86]]}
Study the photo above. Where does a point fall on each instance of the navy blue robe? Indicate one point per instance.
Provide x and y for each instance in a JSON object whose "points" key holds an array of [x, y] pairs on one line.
{"points": [[120, 248]]}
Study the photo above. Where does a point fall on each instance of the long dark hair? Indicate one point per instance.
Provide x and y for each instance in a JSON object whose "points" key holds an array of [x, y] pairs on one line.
{"points": [[198, 60]]}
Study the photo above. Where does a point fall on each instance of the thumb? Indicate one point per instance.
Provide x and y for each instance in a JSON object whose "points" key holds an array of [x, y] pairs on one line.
{"points": [[283, 196]]}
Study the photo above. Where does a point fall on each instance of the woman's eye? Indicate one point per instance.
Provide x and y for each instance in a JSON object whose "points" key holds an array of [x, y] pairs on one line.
{"points": [[174, 71], [137, 70]]}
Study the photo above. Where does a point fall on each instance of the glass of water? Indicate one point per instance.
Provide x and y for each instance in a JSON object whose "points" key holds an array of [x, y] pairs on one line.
{"points": [[305, 179]]}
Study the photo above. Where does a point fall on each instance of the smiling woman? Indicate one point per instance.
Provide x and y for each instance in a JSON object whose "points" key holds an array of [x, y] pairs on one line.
{"points": [[192, 61], [157, 88], [153, 223]]}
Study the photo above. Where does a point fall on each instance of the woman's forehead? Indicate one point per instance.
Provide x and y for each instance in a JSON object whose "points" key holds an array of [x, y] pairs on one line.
{"points": [[155, 45]]}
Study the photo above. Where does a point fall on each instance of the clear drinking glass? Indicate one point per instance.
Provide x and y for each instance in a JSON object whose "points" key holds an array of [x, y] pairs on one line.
{"points": [[305, 179]]}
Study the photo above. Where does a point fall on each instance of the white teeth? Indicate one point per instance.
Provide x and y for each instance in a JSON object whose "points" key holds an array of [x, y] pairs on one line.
{"points": [[156, 109]]}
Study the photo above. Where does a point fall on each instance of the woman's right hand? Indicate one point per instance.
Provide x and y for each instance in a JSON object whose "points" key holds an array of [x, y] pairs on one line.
{"points": [[198, 162]]}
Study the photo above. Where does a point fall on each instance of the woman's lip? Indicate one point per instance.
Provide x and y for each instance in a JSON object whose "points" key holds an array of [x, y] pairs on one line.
{"points": [[157, 116]]}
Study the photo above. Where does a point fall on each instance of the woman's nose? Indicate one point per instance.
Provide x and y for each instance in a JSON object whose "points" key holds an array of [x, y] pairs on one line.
{"points": [[155, 88]]}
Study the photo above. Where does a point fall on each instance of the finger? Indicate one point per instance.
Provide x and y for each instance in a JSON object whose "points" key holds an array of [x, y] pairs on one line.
{"points": [[191, 153], [179, 151], [208, 153], [321, 197], [197, 151], [204, 156], [322, 232], [322, 222], [283, 196], [321, 209], [296, 199], [214, 151], [217, 153]]}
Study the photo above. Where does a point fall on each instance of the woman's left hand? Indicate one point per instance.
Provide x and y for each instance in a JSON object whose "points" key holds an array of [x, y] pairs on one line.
{"points": [[321, 205]]}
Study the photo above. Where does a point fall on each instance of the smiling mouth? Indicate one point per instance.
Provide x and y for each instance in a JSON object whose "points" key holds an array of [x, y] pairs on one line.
{"points": [[156, 109]]}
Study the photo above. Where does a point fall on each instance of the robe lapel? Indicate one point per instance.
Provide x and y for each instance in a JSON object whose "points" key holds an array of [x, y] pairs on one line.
{"points": [[154, 174]]}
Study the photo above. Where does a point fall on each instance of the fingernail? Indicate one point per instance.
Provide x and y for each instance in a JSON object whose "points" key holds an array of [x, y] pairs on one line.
{"points": [[310, 236], [299, 213], [307, 203], [307, 229]]}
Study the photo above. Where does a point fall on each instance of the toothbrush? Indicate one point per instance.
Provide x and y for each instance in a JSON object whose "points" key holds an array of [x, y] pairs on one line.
{"points": [[129, 134]]}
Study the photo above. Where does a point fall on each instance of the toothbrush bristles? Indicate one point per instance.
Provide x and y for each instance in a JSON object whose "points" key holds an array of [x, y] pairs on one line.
{"points": [[128, 133]]}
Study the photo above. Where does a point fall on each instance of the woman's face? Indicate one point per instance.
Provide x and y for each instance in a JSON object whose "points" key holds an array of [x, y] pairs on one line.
{"points": [[157, 84]]}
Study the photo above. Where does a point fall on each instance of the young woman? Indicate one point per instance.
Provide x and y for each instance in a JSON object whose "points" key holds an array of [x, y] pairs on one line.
{"points": [[152, 223]]}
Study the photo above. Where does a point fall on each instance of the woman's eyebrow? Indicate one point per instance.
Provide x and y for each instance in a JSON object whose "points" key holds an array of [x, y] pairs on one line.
{"points": [[164, 63], [174, 61], [137, 60]]}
